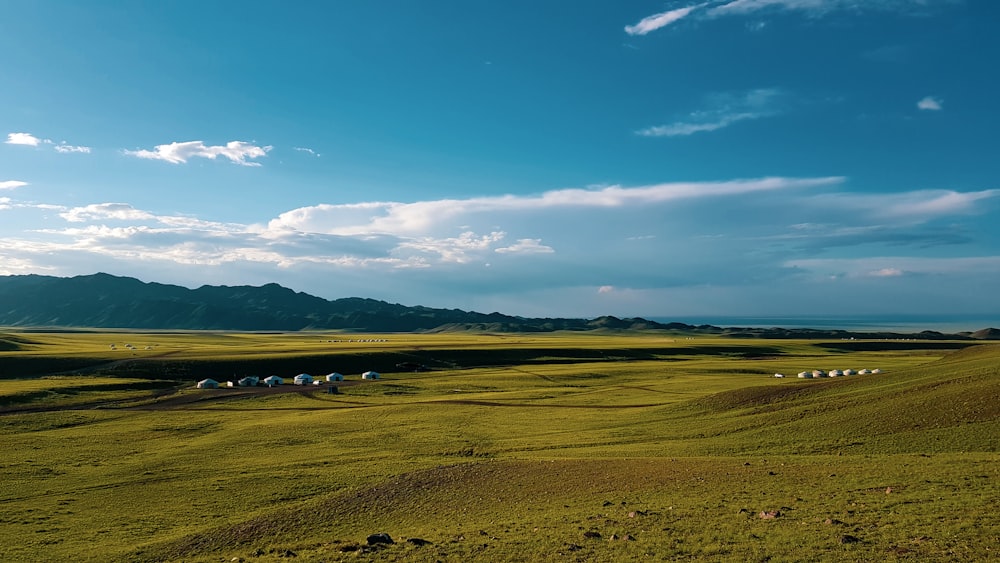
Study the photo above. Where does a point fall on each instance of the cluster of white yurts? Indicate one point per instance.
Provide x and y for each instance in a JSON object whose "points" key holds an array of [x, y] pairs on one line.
{"points": [[817, 373], [274, 380]]}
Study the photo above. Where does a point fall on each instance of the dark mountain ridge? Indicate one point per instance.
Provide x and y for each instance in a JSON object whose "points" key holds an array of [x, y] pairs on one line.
{"points": [[107, 301]]}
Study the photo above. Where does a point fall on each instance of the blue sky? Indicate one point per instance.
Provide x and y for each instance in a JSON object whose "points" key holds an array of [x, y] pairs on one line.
{"points": [[654, 158]]}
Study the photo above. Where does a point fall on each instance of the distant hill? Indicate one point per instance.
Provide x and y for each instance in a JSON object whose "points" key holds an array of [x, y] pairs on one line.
{"points": [[107, 301], [987, 334]]}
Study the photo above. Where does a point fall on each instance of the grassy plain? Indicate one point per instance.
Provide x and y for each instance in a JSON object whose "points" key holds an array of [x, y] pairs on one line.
{"points": [[589, 447]]}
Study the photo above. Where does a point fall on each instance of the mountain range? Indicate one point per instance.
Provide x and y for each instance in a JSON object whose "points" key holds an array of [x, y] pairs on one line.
{"points": [[107, 301]]}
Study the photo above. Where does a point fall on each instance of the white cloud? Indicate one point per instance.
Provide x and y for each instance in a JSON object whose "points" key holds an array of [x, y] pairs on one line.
{"points": [[415, 218], [886, 273], [11, 184], [724, 110], [308, 150], [23, 139], [459, 249], [177, 153], [527, 246], [30, 140], [65, 149], [657, 21], [606, 289], [102, 211], [931, 103]]}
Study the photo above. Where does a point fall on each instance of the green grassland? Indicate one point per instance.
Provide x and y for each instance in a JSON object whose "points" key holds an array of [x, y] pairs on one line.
{"points": [[576, 447]]}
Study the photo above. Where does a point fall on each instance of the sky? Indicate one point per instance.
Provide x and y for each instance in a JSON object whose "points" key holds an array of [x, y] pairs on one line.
{"points": [[669, 159]]}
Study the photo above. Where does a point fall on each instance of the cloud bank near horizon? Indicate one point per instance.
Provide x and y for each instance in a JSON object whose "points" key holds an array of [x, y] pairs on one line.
{"points": [[615, 243]]}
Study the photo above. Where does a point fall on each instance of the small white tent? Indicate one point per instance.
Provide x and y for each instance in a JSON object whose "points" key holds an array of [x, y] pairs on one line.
{"points": [[779, 375], [208, 384], [370, 375], [273, 380], [334, 377], [876, 370], [303, 379]]}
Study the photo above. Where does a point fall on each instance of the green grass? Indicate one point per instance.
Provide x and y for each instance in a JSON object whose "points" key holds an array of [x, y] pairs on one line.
{"points": [[513, 453]]}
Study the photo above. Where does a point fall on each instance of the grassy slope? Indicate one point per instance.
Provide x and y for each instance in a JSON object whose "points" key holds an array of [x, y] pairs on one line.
{"points": [[517, 463]]}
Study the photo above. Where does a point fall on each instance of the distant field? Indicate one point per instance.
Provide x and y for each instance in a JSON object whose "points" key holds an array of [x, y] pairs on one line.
{"points": [[510, 448]]}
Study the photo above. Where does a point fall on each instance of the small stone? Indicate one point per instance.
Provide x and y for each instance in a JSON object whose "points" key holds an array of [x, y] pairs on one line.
{"points": [[380, 538], [631, 514], [769, 514], [628, 537], [419, 542]]}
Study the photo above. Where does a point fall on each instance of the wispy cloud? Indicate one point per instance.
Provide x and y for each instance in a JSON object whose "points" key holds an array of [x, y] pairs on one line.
{"points": [[178, 153], [526, 246], [64, 148], [12, 184], [813, 8], [657, 21], [821, 7], [23, 139], [725, 110], [27, 139], [913, 205], [931, 103], [308, 150]]}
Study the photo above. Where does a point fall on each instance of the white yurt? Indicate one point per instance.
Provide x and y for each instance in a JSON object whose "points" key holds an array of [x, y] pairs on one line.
{"points": [[779, 375], [850, 372], [865, 371], [836, 373], [208, 384], [819, 373], [249, 381], [805, 375], [370, 375], [303, 379], [273, 380], [876, 370], [334, 377]]}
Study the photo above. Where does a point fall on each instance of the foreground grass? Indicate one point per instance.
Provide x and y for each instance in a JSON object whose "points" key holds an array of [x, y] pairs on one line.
{"points": [[680, 450]]}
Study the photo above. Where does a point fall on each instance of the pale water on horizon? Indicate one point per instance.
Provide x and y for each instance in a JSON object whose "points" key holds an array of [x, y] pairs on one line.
{"points": [[949, 325]]}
